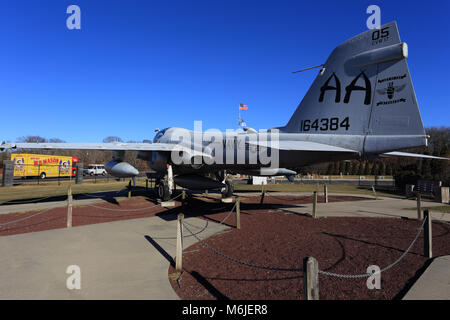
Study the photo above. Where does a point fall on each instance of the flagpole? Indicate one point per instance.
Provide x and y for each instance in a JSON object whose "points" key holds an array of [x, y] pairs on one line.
{"points": [[239, 120]]}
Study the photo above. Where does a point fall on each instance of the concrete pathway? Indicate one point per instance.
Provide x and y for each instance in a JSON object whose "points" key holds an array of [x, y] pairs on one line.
{"points": [[434, 284], [118, 260], [384, 207]]}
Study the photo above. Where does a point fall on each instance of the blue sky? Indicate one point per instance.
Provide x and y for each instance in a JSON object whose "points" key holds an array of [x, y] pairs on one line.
{"points": [[138, 65]]}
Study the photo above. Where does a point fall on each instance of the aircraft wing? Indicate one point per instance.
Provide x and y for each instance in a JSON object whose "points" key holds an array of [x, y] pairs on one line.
{"points": [[116, 146], [413, 155], [113, 146], [292, 145]]}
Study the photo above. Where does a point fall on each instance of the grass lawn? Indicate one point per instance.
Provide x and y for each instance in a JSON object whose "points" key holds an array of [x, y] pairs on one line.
{"points": [[312, 188], [52, 189]]}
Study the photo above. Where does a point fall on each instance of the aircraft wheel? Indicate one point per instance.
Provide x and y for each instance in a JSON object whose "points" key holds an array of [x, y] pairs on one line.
{"points": [[228, 189], [163, 190]]}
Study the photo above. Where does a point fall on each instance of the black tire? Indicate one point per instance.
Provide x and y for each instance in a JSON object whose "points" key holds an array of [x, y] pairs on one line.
{"points": [[163, 190], [104, 173], [42, 175], [91, 174], [228, 190]]}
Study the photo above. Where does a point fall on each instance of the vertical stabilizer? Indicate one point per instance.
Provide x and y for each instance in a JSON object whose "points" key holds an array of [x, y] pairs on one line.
{"points": [[364, 88]]}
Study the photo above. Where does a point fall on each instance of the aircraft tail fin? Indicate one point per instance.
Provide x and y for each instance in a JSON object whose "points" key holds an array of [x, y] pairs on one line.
{"points": [[364, 88]]}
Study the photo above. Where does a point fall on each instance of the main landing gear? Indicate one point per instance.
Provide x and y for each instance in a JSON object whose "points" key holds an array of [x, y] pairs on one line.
{"points": [[165, 185], [163, 190], [228, 190]]}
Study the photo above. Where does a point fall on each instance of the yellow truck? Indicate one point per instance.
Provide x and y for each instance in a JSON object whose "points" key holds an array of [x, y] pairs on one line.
{"points": [[43, 166]]}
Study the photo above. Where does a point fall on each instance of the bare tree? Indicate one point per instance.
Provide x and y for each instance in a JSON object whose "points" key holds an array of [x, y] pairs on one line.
{"points": [[36, 139], [112, 139]]}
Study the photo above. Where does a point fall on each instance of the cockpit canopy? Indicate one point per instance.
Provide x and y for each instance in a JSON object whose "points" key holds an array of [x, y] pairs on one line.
{"points": [[159, 135]]}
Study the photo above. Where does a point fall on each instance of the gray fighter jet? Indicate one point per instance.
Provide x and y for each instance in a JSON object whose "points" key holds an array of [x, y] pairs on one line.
{"points": [[361, 105]]}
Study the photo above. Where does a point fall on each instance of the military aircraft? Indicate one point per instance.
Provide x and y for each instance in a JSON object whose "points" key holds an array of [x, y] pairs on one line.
{"points": [[361, 105]]}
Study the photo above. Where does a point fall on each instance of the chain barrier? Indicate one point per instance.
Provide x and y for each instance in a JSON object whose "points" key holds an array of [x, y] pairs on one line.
{"points": [[201, 228], [353, 276], [442, 221], [130, 210], [229, 214], [40, 199], [22, 219], [280, 198], [111, 209], [185, 236], [347, 276], [237, 260]]}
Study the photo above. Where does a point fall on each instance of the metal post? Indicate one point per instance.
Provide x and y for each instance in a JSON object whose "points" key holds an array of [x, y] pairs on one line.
{"points": [[427, 235], [314, 204], [419, 209], [183, 195], [69, 207], [311, 279], [8, 173], [374, 192], [129, 189], [238, 212], [262, 194], [146, 185], [179, 254], [79, 173], [325, 193]]}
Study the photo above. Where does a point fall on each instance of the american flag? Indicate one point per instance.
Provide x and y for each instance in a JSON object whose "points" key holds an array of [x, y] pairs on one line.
{"points": [[243, 106]]}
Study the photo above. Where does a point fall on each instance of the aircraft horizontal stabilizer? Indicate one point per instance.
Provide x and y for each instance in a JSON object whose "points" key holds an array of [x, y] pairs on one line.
{"points": [[413, 155], [300, 146]]}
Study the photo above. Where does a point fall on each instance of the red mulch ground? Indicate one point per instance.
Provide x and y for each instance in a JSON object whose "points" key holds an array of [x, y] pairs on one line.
{"points": [[271, 237], [81, 215]]}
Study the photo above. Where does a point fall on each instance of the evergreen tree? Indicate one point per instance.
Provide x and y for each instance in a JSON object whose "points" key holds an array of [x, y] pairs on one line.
{"points": [[347, 167], [330, 168], [354, 169], [341, 168], [388, 169], [361, 168], [374, 170], [366, 169], [426, 169], [382, 169], [336, 168]]}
